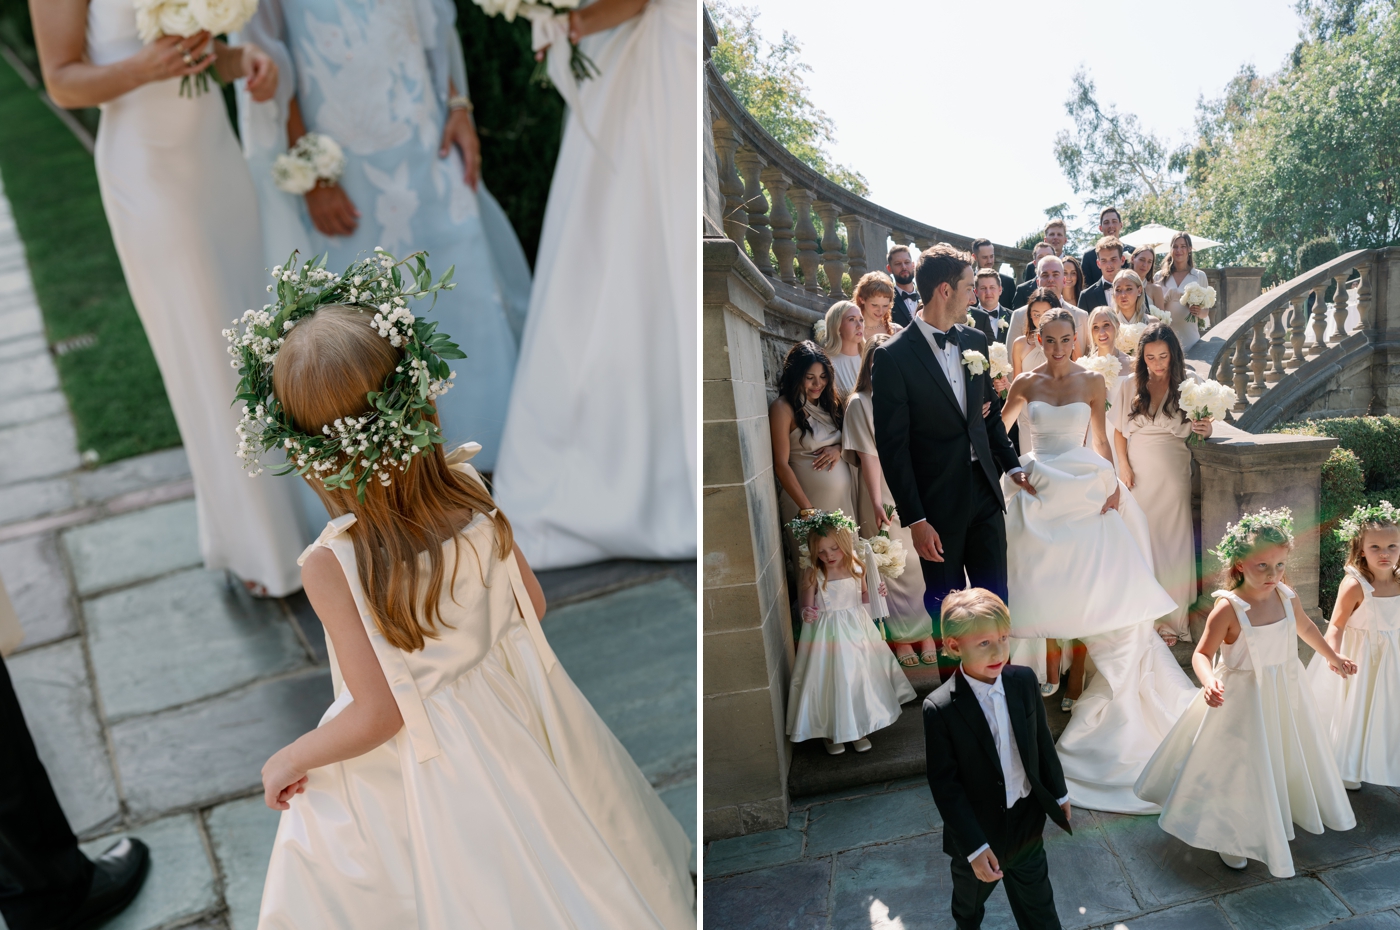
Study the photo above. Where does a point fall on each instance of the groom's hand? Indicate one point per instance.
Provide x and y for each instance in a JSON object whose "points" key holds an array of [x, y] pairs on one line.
{"points": [[926, 542], [986, 867], [1023, 482]]}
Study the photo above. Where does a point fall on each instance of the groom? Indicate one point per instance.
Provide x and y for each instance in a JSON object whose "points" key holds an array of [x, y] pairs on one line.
{"points": [[939, 434]]}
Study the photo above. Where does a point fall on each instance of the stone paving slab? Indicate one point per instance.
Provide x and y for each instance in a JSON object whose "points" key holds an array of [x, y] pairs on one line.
{"points": [[241, 834], [53, 689], [1368, 885], [30, 499], [31, 373], [864, 821], [181, 882], [18, 320], [1377, 830], [683, 800], [1166, 871], [38, 589], [758, 850], [214, 749], [1294, 905], [1202, 915], [788, 897], [133, 547], [182, 638], [1381, 920], [133, 474], [23, 347], [35, 407], [47, 447]]}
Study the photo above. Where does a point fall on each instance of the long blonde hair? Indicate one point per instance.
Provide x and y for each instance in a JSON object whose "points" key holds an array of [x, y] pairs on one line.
{"points": [[844, 541], [1102, 313], [324, 370]]}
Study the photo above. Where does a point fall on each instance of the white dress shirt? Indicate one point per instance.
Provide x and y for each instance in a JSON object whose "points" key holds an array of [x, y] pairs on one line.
{"points": [[992, 699], [992, 313]]}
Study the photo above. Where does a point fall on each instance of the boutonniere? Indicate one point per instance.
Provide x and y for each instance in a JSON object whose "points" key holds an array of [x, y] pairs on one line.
{"points": [[970, 321], [975, 362]]}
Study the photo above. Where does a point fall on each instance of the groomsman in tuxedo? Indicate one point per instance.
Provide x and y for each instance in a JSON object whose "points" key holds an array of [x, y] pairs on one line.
{"points": [[1110, 224], [1056, 235], [1109, 252], [900, 265], [985, 253], [988, 291], [1023, 291], [939, 434]]}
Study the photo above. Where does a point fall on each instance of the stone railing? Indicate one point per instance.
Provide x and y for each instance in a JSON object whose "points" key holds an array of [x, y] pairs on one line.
{"points": [[1287, 347]]}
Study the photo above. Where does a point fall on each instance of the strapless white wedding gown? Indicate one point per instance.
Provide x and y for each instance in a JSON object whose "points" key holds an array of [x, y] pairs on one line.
{"points": [[1076, 573]]}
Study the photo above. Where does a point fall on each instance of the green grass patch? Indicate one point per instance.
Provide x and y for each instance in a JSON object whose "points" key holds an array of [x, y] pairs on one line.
{"points": [[113, 386]]}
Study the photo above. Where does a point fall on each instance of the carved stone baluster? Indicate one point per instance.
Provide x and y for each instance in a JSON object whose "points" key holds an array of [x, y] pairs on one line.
{"points": [[1241, 367], [922, 245], [833, 259], [760, 237], [1363, 297], [1276, 371], [855, 246], [736, 218], [1298, 319], [1225, 369], [807, 255], [784, 248], [1319, 322], [1339, 308], [1258, 358]]}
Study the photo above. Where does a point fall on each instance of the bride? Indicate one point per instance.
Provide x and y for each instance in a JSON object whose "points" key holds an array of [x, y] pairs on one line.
{"points": [[1079, 567]]}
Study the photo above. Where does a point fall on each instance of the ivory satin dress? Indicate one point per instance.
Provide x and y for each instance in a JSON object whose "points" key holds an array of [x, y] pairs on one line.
{"points": [[1236, 778], [1161, 463], [504, 802], [908, 620], [184, 219], [1361, 713]]}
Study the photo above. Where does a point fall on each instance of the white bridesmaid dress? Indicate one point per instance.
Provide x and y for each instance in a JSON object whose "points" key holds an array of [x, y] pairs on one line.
{"points": [[1076, 573], [599, 455], [504, 802], [1361, 713], [1236, 778], [845, 681], [184, 219]]}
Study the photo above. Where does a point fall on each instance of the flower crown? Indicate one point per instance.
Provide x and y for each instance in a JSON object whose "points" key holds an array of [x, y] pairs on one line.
{"points": [[1385, 512], [1235, 544], [396, 426], [802, 527]]}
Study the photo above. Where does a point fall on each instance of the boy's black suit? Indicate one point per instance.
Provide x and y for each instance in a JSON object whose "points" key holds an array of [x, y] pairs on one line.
{"points": [[965, 775]]}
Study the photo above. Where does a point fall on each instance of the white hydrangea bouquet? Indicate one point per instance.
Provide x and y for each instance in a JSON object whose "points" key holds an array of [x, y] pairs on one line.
{"points": [[155, 18], [1128, 336], [1106, 367], [315, 157], [1205, 400], [549, 26], [1000, 363], [889, 555], [1197, 298]]}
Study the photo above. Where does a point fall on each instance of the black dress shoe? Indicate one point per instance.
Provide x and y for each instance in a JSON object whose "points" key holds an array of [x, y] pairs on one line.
{"points": [[116, 878]]}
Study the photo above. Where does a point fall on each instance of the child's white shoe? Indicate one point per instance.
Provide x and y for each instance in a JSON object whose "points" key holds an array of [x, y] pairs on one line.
{"points": [[1234, 862], [861, 745], [834, 749], [1351, 785]]}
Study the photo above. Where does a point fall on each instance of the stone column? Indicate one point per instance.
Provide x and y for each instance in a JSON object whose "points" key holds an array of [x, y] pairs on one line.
{"points": [[1237, 287], [1384, 327], [1243, 472], [747, 626]]}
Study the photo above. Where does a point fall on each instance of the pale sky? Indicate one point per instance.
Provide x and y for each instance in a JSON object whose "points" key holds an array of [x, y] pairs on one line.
{"points": [[891, 73]]}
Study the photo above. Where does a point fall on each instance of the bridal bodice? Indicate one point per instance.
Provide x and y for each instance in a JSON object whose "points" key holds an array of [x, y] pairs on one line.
{"points": [[1056, 430]]}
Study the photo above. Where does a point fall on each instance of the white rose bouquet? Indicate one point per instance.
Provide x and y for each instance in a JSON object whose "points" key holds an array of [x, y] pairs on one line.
{"points": [[155, 18], [549, 26], [314, 157], [1196, 298], [1000, 363], [1106, 367], [889, 555], [975, 362], [1204, 400], [1128, 336]]}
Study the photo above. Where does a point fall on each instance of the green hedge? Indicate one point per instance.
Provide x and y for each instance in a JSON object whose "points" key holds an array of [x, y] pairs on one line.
{"points": [[1363, 469]]}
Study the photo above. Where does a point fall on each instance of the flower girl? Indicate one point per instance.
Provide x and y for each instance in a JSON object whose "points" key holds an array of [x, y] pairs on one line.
{"points": [[460, 779], [1250, 759], [845, 683], [1361, 714]]}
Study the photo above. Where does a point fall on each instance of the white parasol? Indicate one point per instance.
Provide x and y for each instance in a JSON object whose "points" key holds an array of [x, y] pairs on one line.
{"points": [[1159, 237]]}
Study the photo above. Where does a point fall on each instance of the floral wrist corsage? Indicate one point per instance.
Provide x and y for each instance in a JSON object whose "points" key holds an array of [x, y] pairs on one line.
{"points": [[315, 157]]}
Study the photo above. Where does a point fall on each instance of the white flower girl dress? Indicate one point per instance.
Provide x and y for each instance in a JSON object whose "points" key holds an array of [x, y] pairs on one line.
{"points": [[1361, 714], [846, 683], [504, 802], [1236, 778]]}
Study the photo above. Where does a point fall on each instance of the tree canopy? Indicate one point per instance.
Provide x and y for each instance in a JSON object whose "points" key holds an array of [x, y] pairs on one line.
{"points": [[767, 78]]}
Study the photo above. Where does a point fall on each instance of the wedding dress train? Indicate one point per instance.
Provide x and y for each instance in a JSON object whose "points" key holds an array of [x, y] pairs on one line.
{"points": [[1077, 573]]}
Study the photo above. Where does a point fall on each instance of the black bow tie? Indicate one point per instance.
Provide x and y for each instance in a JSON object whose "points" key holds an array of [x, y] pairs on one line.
{"points": [[944, 338], [905, 295]]}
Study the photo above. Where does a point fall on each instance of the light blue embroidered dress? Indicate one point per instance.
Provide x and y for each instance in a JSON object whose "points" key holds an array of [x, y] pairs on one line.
{"points": [[374, 76]]}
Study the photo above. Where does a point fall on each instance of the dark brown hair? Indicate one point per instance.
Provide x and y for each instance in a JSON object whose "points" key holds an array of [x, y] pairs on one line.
{"points": [[1168, 262], [1107, 210], [939, 264], [1041, 295], [864, 382], [1068, 260], [1176, 371], [801, 357]]}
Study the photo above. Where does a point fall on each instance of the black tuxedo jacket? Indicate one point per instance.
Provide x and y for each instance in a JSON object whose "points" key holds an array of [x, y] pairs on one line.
{"points": [[1008, 289], [1023, 294], [1096, 296], [1090, 263], [924, 440], [984, 322], [902, 310], [964, 770], [1003, 318]]}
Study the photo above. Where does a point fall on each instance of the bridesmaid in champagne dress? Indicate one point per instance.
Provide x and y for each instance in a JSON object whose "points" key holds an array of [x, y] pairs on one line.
{"points": [[1155, 463], [1178, 270], [909, 626], [843, 336], [184, 220], [805, 426]]}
